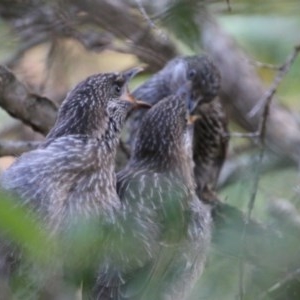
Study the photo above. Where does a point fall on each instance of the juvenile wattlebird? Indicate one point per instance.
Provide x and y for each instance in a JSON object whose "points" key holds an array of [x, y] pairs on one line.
{"points": [[71, 177], [210, 135], [171, 225], [72, 173]]}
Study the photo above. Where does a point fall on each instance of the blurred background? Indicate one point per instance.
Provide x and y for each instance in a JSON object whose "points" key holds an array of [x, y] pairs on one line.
{"points": [[52, 45]]}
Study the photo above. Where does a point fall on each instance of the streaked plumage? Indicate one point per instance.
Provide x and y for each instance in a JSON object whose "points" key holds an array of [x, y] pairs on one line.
{"points": [[210, 145], [210, 134], [71, 177], [172, 225], [72, 173]]}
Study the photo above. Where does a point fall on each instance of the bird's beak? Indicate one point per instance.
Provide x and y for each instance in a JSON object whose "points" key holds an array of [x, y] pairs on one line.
{"points": [[192, 119], [193, 103], [126, 95], [129, 74], [185, 91]]}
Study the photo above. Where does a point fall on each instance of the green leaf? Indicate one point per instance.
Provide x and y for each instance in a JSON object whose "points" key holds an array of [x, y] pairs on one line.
{"points": [[22, 227]]}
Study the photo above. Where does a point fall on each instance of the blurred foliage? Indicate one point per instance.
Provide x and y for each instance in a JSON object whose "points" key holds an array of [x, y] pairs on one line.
{"points": [[267, 31], [57, 263], [179, 18], [20, 225]]}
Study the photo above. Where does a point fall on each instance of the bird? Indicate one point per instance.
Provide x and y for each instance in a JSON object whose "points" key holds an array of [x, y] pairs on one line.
{"points": [[172, 226], [71, 176], [72, 172], [210, 140], [210, 145]]}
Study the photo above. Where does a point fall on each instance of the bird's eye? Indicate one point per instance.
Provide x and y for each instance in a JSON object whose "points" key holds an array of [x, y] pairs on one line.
{"points": [[117, 90], [192, 74]]}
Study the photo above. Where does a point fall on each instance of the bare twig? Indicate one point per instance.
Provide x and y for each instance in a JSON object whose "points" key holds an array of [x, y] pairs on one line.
{"points": [[260, 64], [16, 148], [234, 168], [239, 94], [243, 134], [228, 5], [286, 215], [228, 221], [282, 71], [251, 203], [144, 13], [148, 46], [37, 111], [66, 19], [290, 276], [151, 24], [262, 134]]}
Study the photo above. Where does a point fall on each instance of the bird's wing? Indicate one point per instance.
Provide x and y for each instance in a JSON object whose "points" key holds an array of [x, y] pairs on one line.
{"points": [[36, 174], [210, 144], [157, 215]]}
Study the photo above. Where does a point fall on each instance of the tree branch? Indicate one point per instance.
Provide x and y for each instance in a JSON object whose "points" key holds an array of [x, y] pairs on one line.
{"points": [[282, 71], [234, 168], [278, 285], [242, 89], [16, 148], [151, 48], [36, 111], [66, 19]]}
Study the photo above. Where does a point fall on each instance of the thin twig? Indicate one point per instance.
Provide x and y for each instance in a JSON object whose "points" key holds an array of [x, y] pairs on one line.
{"points": [[152, 49], [144, 14], [151, 24], [235, 166], [243, 134], [228, 5], [262, 134], [282, 71], [279, 284], [263, 65], [119, 49], [16, 148]]}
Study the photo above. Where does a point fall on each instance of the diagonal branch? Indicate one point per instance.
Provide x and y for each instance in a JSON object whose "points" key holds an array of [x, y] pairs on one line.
{"points": [[282, 71], [242, 89], [34, 110], [278, 285], [16, 148], [151, 48], [262, 136]]}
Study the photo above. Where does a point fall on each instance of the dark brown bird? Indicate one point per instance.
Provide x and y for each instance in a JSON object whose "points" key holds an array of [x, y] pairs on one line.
{"points": [[172, 226], [210, 133]]}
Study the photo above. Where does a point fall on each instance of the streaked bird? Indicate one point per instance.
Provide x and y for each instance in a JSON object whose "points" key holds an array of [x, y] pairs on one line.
{"points": [[71, 177], [210, 134], [171, 225], [72, 173]]}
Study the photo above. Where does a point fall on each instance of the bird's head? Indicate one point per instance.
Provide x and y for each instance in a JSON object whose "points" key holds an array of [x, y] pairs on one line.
{"points": [[122, 101], [202, 74], [205, 79], [94, 102], [161, 136]]}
